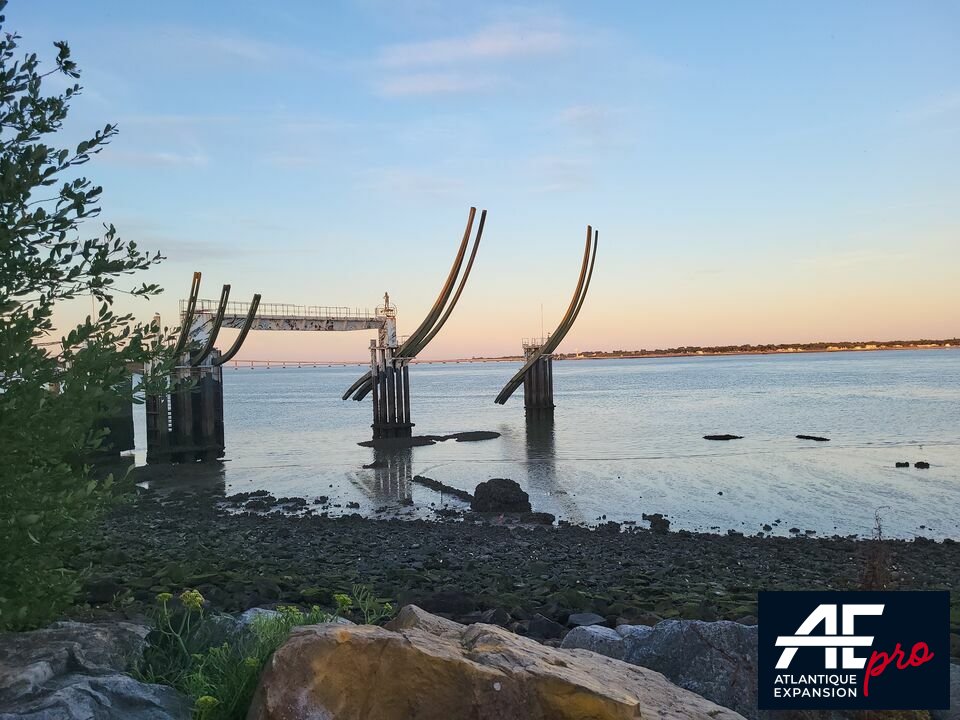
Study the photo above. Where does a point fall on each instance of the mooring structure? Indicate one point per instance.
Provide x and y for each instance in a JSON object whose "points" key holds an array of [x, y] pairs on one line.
{"points": [[388, 379], [536, 375], [185, 423]]}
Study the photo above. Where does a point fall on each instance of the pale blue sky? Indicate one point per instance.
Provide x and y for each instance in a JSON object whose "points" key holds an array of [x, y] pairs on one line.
{"points": [[759, 172]]}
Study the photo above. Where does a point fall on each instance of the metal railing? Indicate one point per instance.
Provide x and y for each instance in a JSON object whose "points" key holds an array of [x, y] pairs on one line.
{"points": [[284, 310], [534, 342]]}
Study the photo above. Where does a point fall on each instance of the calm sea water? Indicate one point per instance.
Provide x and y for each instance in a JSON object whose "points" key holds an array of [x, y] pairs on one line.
{"points": [[627, 440]]}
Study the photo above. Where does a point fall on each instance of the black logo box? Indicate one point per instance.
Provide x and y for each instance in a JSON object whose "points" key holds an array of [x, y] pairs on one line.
{"points": [[908, 618]]}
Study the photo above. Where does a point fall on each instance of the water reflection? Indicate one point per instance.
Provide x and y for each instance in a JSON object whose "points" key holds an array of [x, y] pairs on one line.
{"points": [[207, 476], [388, 478], [541, 449]]}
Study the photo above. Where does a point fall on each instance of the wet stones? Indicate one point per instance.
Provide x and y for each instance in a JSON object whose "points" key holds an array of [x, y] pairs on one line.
{"points": [[500, 495], [585, 619], [542, 518], [543, 628], [658, 523]]}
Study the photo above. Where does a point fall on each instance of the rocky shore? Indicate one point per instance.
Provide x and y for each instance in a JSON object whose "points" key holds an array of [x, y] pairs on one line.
{"points": [[532, 579]]}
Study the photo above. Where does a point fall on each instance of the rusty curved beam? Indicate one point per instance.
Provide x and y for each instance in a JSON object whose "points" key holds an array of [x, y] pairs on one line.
{"points": [[559, 334], [456, 296], [573, 309], [187, 320], [247, 324], [428, 322], [200, 356], [434, 321]]}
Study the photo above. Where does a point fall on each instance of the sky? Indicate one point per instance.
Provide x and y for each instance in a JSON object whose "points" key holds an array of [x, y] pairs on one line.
{"points": [[758, 172]]}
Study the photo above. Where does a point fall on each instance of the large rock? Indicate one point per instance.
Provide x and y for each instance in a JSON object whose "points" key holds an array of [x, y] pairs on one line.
{"points": [[954, 712], [717, 660], [431, 669], [500, 495], [70, 671]]}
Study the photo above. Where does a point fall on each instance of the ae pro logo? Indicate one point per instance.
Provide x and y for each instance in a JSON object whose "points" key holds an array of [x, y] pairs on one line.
{"points": [[854, 650]]}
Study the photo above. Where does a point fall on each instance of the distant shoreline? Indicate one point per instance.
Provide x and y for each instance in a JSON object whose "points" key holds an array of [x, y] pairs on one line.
{"points": [[946, 345], [953, 344]]}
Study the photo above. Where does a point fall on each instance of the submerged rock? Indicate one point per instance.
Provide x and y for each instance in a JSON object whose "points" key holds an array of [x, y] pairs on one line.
{"points": [[500, 495], [427, 668], [813, 437], [74, 671], [717, 660], [903, 464], [922, 465], [723, 437]]}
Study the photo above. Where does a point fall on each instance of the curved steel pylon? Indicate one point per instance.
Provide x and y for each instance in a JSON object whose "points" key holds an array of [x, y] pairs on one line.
{"points": [[573, 310], [439, 313], [188, 316], [247, 324], [198, 357]]}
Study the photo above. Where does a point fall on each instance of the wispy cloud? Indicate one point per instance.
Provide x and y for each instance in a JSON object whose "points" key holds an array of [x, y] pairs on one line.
{"points": [[466, 63], [405, 181], [947, 104], [600, 127], [496, 42], [560, 174], [155, 158], [434, 83]]}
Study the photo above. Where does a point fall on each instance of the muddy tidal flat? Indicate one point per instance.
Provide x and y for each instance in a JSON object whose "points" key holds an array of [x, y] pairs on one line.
{"points": [[192, 538]]}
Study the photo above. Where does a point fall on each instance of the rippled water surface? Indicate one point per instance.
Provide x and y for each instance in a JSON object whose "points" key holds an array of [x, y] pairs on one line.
{"points": [[627, 439]]}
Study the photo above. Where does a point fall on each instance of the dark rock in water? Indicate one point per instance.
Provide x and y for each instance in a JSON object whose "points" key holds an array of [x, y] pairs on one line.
{"points": [[474, 436], [794, 530], [658, 523], [544, 628], [903, 464], [420, 440], [585, 619], [542, 518], [442, 488], [71, 670], [813, 437], [922, 465], [768, 527], [500, 495], [353, 505], [723, 437]]}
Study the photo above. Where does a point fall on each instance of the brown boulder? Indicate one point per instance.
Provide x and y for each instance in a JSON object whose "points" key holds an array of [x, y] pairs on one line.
{"points": [[430, 669]]}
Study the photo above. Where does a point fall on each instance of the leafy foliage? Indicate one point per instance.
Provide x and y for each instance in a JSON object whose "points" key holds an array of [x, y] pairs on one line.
{"points": [[54, 393], [365, 604], [210, 660]]}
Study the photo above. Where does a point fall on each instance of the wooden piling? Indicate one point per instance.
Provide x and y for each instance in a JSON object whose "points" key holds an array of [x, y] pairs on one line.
{"points": [[391, 394], [538, 388]]}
